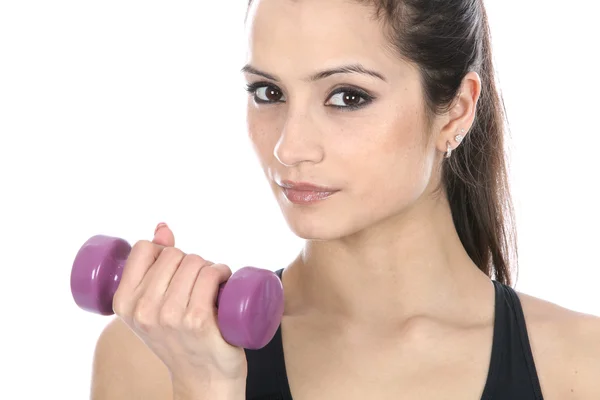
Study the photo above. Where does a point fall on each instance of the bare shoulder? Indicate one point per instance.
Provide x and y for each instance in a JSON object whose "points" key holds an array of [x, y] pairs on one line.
{"points": [[566, 349], [124, 367]]}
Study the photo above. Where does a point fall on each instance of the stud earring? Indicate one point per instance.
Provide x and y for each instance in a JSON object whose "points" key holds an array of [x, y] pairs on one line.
{"points": [[458, 139]]}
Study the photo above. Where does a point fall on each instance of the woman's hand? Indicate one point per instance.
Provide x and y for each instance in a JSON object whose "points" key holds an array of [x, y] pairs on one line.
{"points": [[168, 299]]}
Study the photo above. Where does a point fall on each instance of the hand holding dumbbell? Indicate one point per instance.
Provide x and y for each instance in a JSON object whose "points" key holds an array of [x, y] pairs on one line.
{"points": [[179, 304]]}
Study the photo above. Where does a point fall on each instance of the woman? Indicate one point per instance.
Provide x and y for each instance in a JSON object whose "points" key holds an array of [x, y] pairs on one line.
{"points": [[389, 111]]}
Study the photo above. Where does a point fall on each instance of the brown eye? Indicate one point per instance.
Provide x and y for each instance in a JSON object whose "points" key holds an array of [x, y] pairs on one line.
{"points": [[269, 94], [348, 98], [351, 98]]}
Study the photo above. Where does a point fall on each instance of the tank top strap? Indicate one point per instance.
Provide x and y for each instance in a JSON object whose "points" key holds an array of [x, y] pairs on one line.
{"points": [[512, 372], [282, 378], [519, 318]]}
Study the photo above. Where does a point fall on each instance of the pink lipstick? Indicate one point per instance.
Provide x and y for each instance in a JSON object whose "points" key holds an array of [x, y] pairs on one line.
{"points": [[306, 193]]}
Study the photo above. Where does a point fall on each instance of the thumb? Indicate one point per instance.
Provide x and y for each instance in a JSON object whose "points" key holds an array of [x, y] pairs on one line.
{"points": [[163, 235]]}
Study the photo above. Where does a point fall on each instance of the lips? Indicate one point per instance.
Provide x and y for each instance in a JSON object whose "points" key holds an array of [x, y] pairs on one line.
{"points": [[306, 187], [305, 196], [305, 192]]}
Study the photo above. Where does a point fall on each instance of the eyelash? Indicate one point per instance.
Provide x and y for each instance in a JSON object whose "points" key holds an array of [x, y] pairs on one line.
{"points": [[253, 87]]}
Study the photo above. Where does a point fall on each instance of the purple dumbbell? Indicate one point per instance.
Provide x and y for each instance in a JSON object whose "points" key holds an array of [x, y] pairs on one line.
{"points": [[250, 303]]}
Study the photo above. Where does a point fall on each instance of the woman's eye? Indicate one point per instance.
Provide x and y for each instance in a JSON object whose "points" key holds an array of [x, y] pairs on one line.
{"points": [[265, 93], [348, 99], [343, 98], [269, 93]]}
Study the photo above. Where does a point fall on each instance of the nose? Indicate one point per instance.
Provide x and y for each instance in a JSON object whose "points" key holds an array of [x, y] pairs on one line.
{"points": [[299, 141]]}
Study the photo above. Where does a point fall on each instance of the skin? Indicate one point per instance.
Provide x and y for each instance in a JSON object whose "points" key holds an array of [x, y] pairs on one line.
{"points": [[383, 295]]}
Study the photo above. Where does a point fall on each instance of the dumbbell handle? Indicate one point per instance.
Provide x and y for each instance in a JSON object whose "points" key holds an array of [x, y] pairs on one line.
{"points": [[83, 284]]}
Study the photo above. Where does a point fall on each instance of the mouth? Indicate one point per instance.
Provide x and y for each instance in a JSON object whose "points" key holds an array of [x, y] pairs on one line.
{"points": [[306, 196], [305, 193], [305, 186]]}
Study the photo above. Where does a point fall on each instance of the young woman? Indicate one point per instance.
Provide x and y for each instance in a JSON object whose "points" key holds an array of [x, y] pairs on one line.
{"points": [[380, 130]]}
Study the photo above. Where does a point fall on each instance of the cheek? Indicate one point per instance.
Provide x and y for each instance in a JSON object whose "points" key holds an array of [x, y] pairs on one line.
{"points": [[390, 184], [386, 161], [261, 132]]}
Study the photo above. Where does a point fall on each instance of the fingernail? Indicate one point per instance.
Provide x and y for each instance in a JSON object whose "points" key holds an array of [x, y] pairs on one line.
{"points": [[160, 225]]}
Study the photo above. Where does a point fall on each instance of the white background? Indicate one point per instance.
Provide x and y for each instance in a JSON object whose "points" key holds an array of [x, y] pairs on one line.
{"points": [[116, 115]]}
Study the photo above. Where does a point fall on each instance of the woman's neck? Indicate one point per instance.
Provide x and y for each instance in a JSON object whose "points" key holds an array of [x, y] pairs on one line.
{"points": [[410, 266]]}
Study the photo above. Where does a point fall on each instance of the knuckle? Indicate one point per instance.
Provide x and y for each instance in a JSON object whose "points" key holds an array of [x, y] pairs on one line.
{"points": [[197, 320], [144, 316], [223, 267], [194, 259], [172, 253], [211, 275], [142, 246], [226, 268], [170, 316], [120, 304]]}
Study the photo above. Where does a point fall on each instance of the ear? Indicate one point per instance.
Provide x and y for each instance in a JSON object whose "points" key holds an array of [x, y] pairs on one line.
{"points": [[461, 115]]}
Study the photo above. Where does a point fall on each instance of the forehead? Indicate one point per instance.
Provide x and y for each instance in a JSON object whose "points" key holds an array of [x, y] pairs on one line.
{"points": [[311, 34]]}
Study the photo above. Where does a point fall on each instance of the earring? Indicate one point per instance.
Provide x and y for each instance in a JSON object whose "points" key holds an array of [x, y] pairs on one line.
{"points": [[449, 151], [458, 139]]}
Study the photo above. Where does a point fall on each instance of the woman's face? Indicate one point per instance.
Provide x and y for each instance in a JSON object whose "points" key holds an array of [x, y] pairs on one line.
{"points": [[362, 133]]}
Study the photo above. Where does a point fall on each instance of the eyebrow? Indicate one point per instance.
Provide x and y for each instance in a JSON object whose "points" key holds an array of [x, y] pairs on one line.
{"points": [[344, 69]]}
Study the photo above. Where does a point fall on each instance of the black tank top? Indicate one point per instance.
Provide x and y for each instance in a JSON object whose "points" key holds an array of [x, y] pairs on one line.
{"points": [[511, 374]]}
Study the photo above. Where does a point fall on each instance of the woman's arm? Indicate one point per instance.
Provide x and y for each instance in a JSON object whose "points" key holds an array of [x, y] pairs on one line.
{"points": [[125, 369], [583, 358]]}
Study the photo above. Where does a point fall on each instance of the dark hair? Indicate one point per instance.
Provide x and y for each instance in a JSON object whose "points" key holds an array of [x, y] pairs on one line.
{"points": [[446, 39]]}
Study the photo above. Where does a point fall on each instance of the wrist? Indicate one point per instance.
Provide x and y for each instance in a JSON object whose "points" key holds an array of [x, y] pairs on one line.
{"points": [[202, 389]]}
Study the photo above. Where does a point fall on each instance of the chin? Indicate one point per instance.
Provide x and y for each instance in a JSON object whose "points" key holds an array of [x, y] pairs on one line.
{"points": [[317, 224], [311, 223], [316, 233]]}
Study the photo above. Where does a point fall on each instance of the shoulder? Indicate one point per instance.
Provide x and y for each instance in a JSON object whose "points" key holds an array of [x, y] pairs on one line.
{"points": [[566, 349], [125, 368]]}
